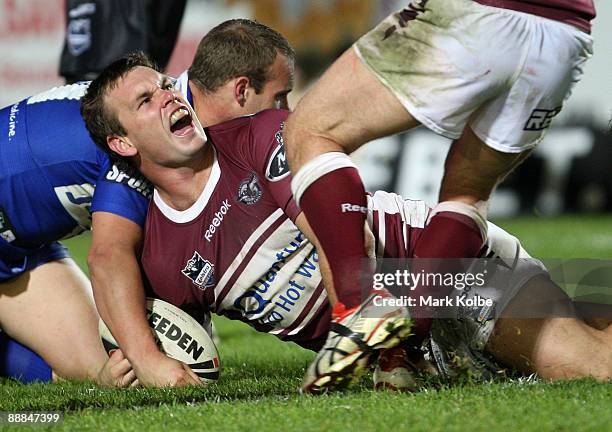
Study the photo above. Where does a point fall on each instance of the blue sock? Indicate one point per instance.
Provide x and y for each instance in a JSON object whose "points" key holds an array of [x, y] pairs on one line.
{"points": [[21, 363]]}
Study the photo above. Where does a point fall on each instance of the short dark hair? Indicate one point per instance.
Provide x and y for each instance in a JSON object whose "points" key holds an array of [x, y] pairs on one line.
{"points": [[237, 47], [99, 120]]}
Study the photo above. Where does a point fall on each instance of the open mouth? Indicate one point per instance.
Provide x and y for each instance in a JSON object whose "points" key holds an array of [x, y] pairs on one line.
{"points": [[180, 121]]}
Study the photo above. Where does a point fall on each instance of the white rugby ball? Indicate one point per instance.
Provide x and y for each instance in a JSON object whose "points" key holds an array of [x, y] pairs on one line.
{"points": [[179, 336]]}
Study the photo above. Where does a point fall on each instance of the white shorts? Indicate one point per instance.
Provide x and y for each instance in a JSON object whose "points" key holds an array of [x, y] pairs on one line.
{"points": [[505, 73], [457, 344]]}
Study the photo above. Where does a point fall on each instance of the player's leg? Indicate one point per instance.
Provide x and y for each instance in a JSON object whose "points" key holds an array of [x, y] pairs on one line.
{"points": [[414, 59], [470, 155], [457, 227], [374, 89], [507, 125], [397, 368], [555, 344], [347, 107], [50, 309], [539, 329]]}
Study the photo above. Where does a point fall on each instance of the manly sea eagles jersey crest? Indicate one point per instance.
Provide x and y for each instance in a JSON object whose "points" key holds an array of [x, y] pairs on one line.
{"points": [[249, 191]]}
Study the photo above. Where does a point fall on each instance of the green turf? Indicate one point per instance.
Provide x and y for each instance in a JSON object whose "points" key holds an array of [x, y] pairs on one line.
{"points": [[564, 237], [79, 246], [260, 377]]}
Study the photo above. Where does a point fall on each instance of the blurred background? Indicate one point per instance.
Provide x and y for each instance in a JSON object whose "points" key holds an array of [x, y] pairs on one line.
{"points": [[568, 173]]}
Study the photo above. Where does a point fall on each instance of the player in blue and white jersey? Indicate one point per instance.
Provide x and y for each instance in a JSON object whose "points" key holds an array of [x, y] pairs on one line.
{"points": [[49, 169]]}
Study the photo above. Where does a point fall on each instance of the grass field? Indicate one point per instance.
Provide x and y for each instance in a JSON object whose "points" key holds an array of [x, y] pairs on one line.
{"points": [[260, 377]]}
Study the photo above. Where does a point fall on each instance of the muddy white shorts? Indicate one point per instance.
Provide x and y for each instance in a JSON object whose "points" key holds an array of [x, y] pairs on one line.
{"points": [[454, 63]]}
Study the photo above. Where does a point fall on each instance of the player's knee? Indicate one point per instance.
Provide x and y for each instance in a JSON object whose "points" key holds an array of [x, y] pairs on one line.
{"points": [[307, 138]]}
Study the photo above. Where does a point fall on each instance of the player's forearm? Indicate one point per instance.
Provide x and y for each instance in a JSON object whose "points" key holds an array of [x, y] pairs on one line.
{"points": [[117, 284], [120, 299]]}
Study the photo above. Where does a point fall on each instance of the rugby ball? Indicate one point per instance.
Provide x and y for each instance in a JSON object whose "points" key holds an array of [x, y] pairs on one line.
{"points": [[179, 336]]}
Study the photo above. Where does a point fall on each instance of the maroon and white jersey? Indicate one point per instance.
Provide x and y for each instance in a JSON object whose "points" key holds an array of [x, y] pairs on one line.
{"points": [[395, 223], [578, 13], [236, 250]]}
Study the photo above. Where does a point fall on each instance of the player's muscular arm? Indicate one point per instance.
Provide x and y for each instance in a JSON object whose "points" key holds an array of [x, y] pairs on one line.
{"points": [[120, 299]]}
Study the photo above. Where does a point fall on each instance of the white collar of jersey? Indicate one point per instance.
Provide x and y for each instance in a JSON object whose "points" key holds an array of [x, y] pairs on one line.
{"points": [[188, 215]]}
